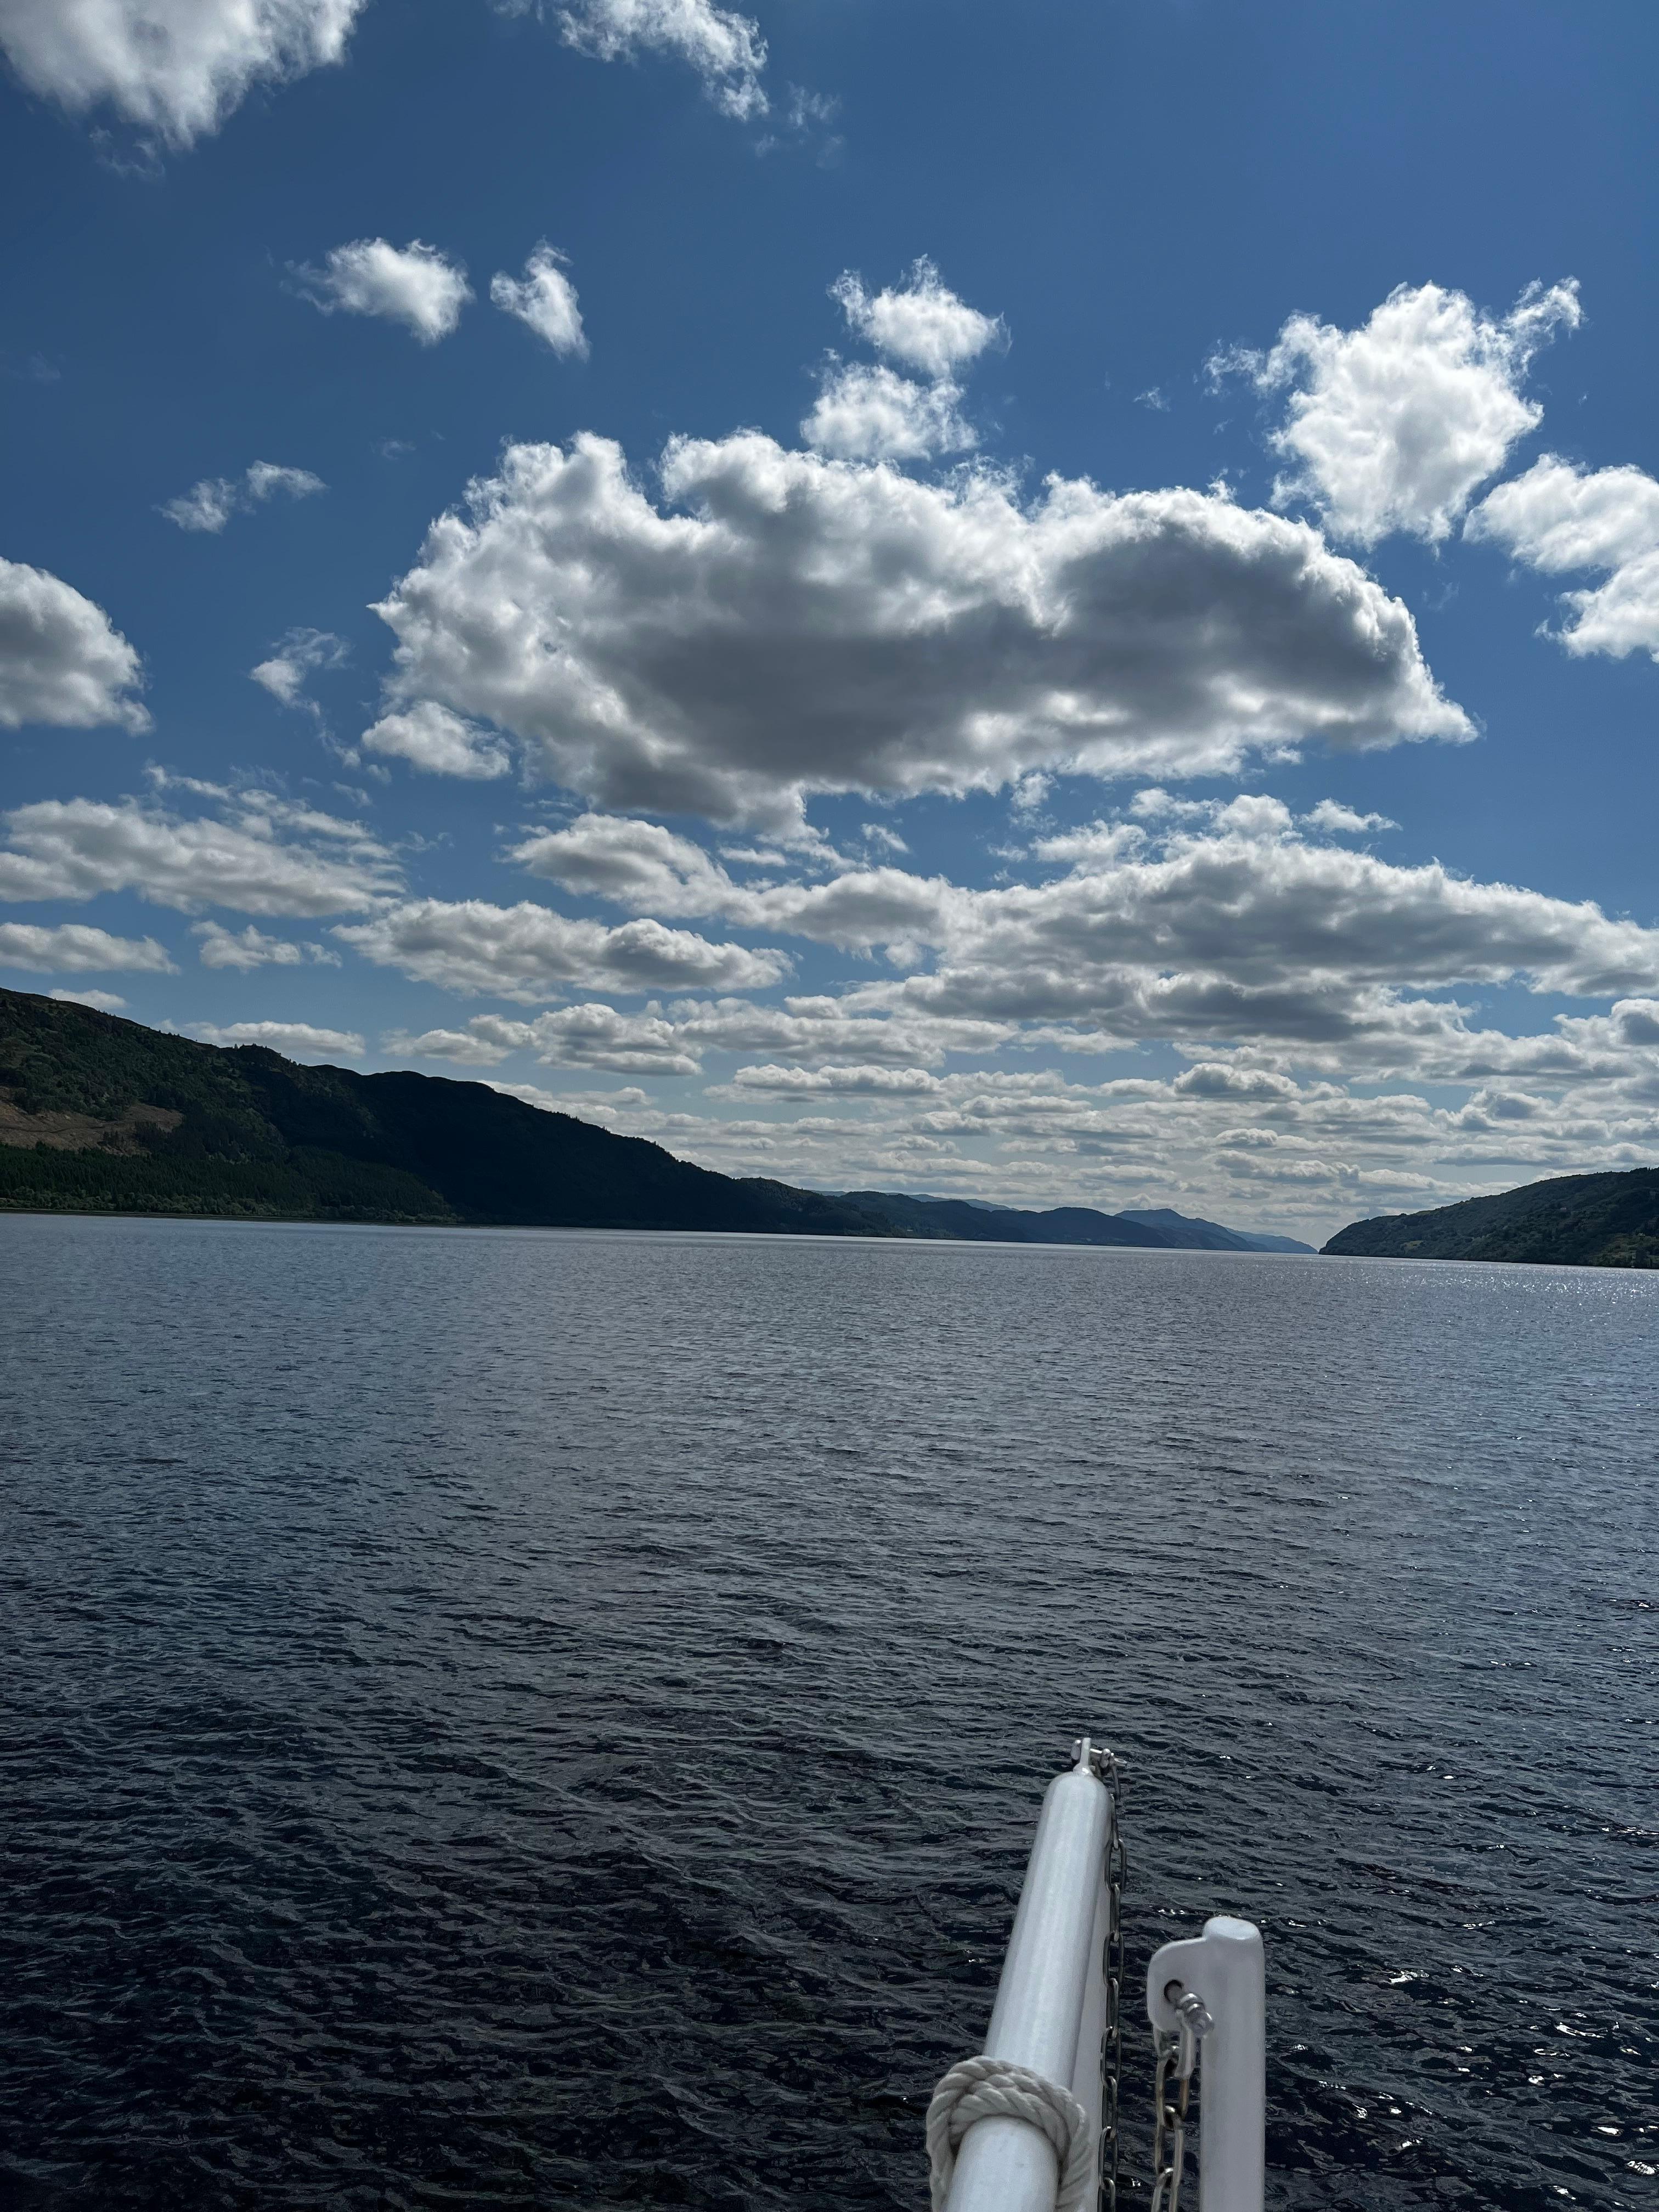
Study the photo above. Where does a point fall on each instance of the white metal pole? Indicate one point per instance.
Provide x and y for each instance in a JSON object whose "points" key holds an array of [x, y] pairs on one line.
{"points": [[1006, 2165], [1092, 2027], [1226, 1968]]}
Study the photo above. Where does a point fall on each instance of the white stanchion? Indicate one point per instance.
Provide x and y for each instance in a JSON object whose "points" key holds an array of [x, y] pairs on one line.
{"points": [[1225, 1968]]}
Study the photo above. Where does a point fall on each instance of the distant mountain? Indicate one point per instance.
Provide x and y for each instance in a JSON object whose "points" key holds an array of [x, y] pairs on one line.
{"points": [[1149, 1227], [99, 1114], [933, 1197], [1571, 1221], [1191, 1233], [967, 1220]]}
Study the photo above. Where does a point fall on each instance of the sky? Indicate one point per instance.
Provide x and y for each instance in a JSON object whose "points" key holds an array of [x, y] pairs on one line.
{"points": [[1055, 604]]}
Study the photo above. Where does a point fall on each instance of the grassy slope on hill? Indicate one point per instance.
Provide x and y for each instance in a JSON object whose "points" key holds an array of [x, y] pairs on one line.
{"points": [[1583, 1221], [103, 1115]]}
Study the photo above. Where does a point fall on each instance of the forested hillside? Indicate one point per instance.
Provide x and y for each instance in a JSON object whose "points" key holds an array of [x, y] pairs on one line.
{"points": [[102, 1115], [1579, 1221]]}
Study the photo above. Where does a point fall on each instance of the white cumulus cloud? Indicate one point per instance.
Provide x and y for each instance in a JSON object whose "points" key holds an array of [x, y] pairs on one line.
{"points": [[528, 952], [70, 948], [414, 284], [543, 298], [429, 737], [294, 1040], [210, 504], [1337, 820], [457, 1045], [262, 856], [870, 411], [1620, 616], [784, 623], [1393, 426], [1229, 924], [867, 411], [1244, 931], [640, 866], [596, 1035], [774, 1081], [177, 68], [62, 661], [250, 948], [1557, 518], [920, 322], [647, 869], [726, 49]]}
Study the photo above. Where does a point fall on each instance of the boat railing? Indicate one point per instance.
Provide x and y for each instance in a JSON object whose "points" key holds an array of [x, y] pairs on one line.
{"points": [[1031, 2124]]}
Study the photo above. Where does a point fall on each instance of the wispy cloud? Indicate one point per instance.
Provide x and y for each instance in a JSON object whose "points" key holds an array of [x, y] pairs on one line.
{"points": [[545, 299], [210, 504], [292, 660], [726, 49]]}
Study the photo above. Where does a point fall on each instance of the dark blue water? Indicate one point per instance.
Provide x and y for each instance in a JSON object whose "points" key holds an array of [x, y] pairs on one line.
{"points": [[558, 1719]]}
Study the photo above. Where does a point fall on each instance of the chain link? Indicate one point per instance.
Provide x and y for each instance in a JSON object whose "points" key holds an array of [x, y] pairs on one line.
{"points": [[1109, 1769], [1177, 2055]]}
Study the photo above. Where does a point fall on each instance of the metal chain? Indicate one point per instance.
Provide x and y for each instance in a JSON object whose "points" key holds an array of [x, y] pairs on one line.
{"points": [[1109, 1770], [1177, 2055]]}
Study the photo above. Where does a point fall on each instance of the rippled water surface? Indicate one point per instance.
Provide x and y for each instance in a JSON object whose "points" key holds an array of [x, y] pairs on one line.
{"points": [[558, 1719]]}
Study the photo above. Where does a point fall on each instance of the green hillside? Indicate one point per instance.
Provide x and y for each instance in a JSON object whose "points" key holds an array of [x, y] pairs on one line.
{"points": [[1574, 1221], [100, 1115]]}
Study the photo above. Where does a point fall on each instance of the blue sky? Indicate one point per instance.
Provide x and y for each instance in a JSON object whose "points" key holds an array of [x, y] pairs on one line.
{"points": [[1059, 604]]}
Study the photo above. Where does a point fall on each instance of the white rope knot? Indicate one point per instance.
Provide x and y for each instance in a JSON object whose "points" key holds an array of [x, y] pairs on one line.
{"points": [[993, 2088]]}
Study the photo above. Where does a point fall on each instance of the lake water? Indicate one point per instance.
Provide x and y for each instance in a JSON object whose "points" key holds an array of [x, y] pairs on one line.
{"points": [[557, 1719]]}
